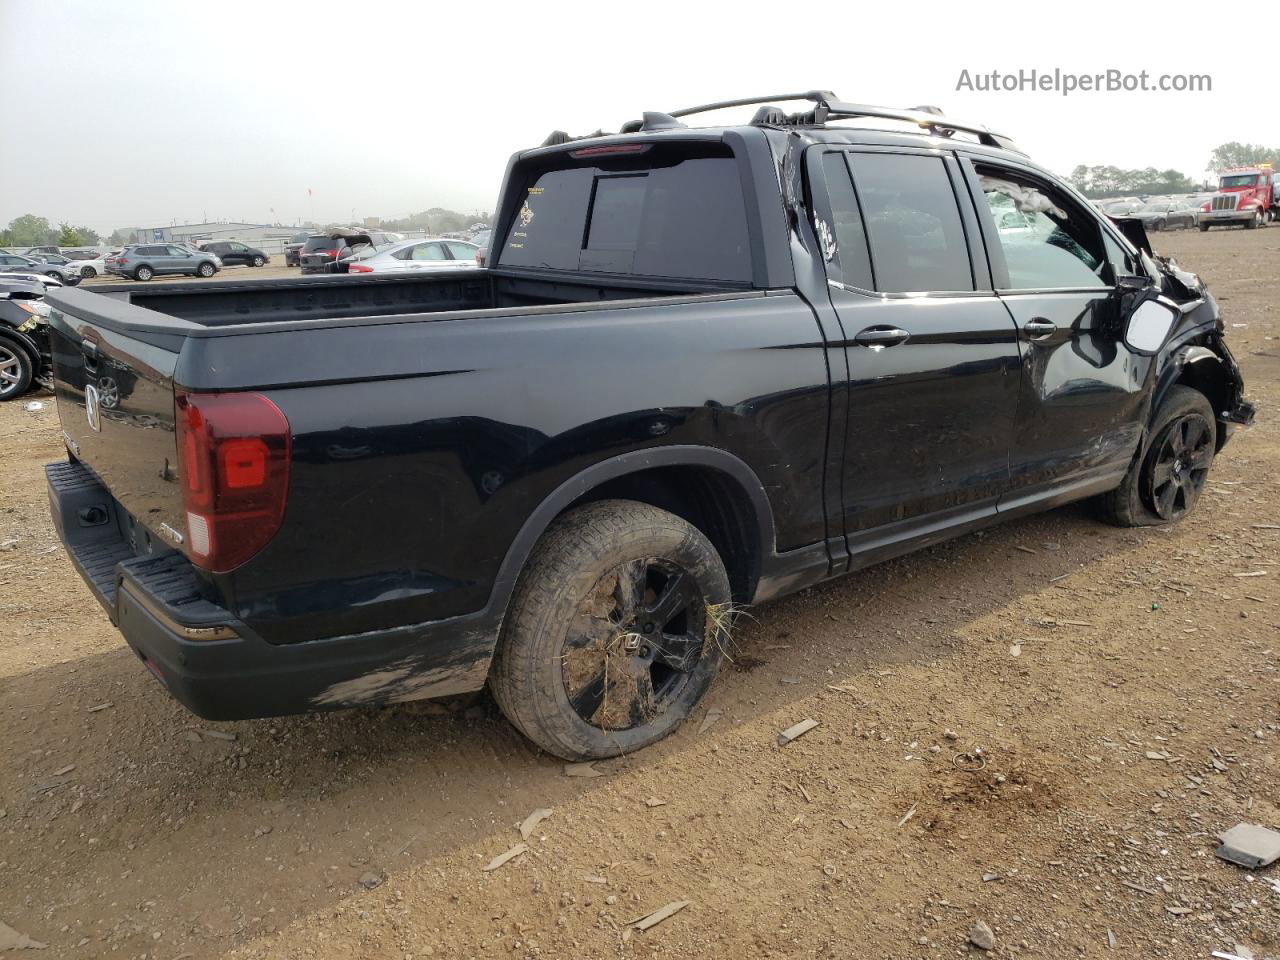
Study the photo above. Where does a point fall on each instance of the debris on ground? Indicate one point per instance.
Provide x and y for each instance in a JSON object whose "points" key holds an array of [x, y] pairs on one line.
{"points": [[1249, 846], [62, 771], [218, 734], [655, 802], [714, 714], [532, 820], [795, 731], [902, 821], [662, 913], [502, 858], [11, 939], [370, 880], [586, 769], [982, 937], [33, 406], [100, 707]]}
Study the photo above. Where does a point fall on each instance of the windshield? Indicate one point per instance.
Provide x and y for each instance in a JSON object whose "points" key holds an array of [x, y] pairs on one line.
{"points": [[1240, 180]]}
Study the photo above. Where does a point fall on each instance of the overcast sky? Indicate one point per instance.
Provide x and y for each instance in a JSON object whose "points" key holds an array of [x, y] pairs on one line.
{"points": [[142, 113]]}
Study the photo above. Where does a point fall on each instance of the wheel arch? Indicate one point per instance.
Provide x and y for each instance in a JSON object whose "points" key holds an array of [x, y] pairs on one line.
{"points": [[24, 343], [1201, 369], [711, 488]]}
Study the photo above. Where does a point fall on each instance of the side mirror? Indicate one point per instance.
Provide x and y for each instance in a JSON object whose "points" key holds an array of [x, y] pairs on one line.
{"points": [[1149, 327]]}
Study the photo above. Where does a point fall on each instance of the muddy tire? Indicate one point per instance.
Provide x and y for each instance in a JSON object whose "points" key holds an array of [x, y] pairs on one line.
{"points": [[1204, 228], [1168, 474], [611, 638]]}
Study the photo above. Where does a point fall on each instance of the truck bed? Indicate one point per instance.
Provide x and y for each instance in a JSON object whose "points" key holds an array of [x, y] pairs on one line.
{"points": [[216, 304]]}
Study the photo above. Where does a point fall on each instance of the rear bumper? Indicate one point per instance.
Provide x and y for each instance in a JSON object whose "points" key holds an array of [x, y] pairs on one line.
{"points": [[216, 665]]}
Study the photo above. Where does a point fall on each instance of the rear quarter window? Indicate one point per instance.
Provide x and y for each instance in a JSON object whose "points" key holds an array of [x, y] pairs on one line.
{"points": [[675, 210]]}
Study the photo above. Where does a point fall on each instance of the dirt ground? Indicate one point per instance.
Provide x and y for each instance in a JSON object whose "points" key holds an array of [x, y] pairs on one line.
{"points": [[1042, 726]]}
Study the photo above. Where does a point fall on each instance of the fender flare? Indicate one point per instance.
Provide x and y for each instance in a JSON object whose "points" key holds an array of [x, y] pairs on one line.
{"points": [[679, 455], [1179, 361]]}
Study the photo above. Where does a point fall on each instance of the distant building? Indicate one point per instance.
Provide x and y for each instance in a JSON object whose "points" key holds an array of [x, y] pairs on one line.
{"points": [[198, 232]]}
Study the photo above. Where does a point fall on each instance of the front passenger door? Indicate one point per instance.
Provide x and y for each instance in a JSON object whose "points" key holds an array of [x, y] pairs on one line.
{"points": [[1080, 399]]}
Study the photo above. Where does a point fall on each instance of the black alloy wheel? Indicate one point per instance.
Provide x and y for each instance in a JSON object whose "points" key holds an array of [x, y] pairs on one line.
{"points": [[1176, 472]]}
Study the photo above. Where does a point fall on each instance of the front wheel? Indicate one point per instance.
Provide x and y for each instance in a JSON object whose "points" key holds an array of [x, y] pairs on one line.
{"points": [[1204, 228], [88, 273], [206, 270], [1165, 481], [615, 631], [16, 371], [258, 261]]}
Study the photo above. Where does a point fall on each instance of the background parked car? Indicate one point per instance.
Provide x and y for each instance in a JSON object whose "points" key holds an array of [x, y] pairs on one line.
{"points": [[91, 265], [24, 337], [36, 251], [1166, 215], [11, 263], [144, 261], [409, 256], [323, 251], [293, 249], [481, 240], [232, 252]]}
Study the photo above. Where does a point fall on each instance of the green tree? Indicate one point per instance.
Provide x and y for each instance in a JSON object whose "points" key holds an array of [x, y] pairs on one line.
{"points": [[67, 236], [88, 236], [29, 230], [1236, 154], [1108, 181], [120, 237]]}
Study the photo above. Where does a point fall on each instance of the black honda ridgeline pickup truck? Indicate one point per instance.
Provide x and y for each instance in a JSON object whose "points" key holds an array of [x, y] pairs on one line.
{"points": [[706, 367]]}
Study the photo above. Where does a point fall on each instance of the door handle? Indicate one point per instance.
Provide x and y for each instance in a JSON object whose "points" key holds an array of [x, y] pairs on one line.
{"points": [[877, 338], [1037, 328]]}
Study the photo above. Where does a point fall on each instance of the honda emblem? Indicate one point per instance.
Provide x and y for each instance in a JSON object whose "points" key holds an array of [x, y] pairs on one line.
{"points": [[91, 408]]}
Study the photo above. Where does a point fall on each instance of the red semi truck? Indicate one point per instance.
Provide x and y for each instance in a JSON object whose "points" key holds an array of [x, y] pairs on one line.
{"points": [[1246, 195]]}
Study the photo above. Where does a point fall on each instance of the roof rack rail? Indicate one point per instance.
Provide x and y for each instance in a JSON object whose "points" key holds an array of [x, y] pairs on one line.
{"points": [[828, 107]]}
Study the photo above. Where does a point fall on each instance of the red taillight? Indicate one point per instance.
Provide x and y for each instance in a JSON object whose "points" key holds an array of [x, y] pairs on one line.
{"points": [[359, 268], [233, 455], [329, 253]]}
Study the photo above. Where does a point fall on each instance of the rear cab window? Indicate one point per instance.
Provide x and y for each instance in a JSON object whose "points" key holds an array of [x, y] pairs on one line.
{"points": [[664, 209], [892, 223]]}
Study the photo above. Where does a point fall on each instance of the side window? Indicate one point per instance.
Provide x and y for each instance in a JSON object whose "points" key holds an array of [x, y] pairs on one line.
{"points": [[462, 251], [1047, 240], [913, 222], [843, 238], [175, 252], [429, 251]]}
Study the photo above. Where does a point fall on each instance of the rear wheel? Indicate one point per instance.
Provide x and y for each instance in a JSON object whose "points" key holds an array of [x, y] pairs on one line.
{"points": [[1164, 483], [143, 273], [15, 371], [615, 632]]}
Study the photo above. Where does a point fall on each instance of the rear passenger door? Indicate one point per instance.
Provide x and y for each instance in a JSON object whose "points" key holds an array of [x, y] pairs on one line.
{"points": [[932, 354], [1078, 408]]}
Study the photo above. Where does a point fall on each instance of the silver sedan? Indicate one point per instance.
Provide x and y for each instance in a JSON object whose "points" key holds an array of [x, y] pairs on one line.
{"points": [[409, 256]]}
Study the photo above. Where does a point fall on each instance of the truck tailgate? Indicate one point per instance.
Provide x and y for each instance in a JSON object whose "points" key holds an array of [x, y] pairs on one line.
{"points": [[114, 387]]}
